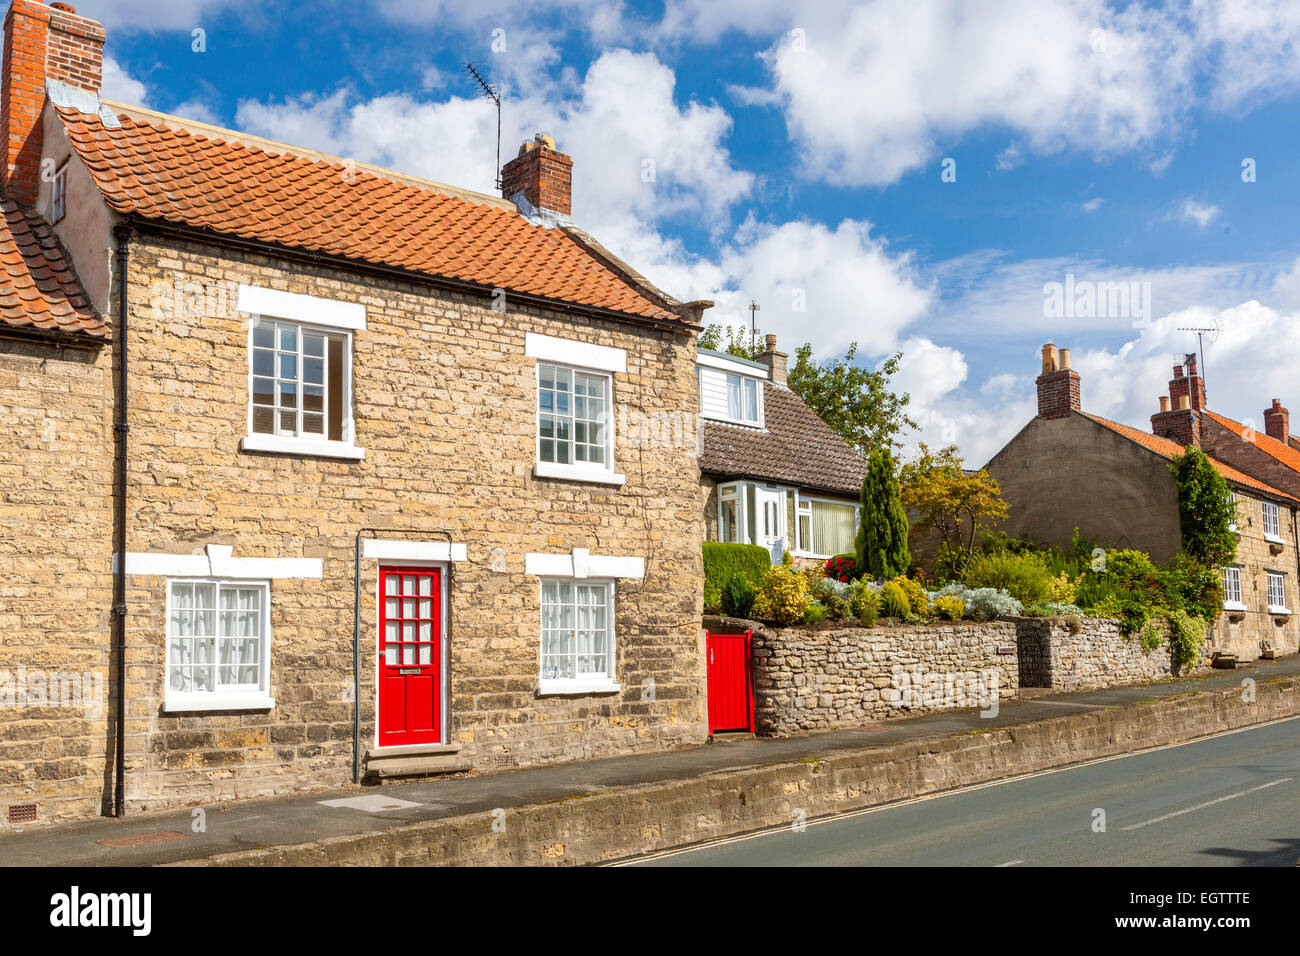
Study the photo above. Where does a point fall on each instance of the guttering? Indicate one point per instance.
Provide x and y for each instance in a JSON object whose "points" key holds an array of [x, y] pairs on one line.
{"points": [[203, 234], [120, 430], [356, 632]]}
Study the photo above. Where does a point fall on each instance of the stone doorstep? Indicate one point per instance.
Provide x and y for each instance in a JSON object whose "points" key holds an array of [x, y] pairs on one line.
{"points": [[415, 761]]}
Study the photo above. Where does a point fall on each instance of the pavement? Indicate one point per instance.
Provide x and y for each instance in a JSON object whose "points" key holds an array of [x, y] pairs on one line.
{"points": [[157, 838], [1228, 800]]}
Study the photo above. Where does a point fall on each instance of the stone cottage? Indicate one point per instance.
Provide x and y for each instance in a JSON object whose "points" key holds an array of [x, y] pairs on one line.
{"points": [[1068, 469], [312, 467], [773, 473]]}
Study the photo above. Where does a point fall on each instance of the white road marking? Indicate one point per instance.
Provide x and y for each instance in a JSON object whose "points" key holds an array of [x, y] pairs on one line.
{"points": [[1008, 863], [769, 831], [1202, 806]]}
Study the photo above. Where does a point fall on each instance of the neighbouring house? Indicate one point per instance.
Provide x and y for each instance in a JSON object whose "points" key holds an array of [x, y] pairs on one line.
{"points": [[773, 473], [1068, 469], [311, 467]]}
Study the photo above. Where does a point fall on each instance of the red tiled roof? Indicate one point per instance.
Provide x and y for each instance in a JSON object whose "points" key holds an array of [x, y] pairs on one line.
{"points": [[39, 292], [1282, 451], [159, 172], [1169, 449]]}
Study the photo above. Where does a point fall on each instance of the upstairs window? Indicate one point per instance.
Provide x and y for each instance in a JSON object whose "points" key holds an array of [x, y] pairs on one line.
{"points": [[1272, 522], [59, 195], [299, 381], [742, 399], [573, 417]]}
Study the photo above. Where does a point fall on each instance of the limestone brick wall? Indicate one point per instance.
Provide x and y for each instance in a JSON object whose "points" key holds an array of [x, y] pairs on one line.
{"points": [[1052, 654], [55, 579]]}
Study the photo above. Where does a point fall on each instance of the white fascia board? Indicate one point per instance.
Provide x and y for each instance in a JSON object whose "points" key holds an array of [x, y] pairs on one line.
{"points": [[583, 566], [381, 550], [296, 307], [217, 562], [735, 367], [548, 348]]}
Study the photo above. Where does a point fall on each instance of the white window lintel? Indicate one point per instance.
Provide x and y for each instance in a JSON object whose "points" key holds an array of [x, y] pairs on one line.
{"points": [[592, 565], [217, 561], [438, 551], [275, 304], [549, 348]]}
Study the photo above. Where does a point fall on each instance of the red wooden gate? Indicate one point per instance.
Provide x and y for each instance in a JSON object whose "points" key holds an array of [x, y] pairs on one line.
{"points": [[731, 691]]}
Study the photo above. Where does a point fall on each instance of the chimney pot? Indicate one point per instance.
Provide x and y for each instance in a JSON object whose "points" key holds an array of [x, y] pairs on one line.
{"points": [[1164, 403], [1065, 358], [1184, 402], [771, 343], [775, 362], [1049, 358]]}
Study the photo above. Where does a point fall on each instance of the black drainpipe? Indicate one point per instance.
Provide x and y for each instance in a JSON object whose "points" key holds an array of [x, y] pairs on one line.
{"points": [[356, 632], [120, 431]]}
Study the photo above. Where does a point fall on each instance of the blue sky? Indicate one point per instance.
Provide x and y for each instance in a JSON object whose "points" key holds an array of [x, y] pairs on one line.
{"points": [[752, 149]]}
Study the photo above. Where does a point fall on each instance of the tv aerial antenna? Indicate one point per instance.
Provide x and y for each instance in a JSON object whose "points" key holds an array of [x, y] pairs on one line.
{"points": [[491, 93], [1201, 331]]}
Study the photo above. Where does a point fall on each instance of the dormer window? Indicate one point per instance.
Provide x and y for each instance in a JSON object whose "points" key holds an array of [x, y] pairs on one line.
{"points": [[731, 389], [59, 195], [742, 399]]}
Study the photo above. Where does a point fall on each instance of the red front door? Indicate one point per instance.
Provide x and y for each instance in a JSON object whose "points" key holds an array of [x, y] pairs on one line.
{"points": [[410, 656], [731, 694]]}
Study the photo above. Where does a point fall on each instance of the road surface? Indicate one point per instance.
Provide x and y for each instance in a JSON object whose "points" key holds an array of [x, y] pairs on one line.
{"points": [[1228, 800]]}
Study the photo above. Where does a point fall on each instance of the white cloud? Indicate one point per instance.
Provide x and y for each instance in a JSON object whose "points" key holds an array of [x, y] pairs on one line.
{"points": [[120, 85], [1092, 205], [1010, 158], [1200, 213], [154, 14]]}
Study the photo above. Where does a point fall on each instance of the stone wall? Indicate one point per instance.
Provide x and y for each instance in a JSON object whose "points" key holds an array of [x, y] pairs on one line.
{"points": [[807, 679], [56, 524], [1052, 654]]}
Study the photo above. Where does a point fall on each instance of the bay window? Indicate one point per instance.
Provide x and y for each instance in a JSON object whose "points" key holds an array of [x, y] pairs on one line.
{"points": [[826, 528]]}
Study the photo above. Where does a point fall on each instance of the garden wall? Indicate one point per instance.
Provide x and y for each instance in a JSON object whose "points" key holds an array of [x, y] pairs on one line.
{"points": [[809, 678]]}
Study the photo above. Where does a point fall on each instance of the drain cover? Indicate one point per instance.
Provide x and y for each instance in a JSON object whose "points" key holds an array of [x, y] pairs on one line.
{"points": [[371, 803]]}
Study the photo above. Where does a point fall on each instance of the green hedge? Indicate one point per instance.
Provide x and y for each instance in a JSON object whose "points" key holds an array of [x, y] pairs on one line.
{"points": [[722, 561]]}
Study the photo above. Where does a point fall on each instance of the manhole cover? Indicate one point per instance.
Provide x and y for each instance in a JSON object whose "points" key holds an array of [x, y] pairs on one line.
{"points": [[143, 839], [370, 804]]}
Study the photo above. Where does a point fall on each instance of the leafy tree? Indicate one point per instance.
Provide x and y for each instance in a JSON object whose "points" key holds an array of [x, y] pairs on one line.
{"points": [[882, 530], [951, 501], [1206, 512], [855, 401]]}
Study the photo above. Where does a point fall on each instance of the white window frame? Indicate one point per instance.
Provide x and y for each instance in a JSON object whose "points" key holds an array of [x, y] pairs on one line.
{"points": [[217, 700], [1231, 584], [589, 684], [1270, 508], [800, 511], [742, 381], [59, 194], [598, 474], [1280, 578], [297, 444]]}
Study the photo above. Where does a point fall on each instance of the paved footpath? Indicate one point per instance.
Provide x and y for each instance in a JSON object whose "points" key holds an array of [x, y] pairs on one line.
{"points": [[155, 838]]}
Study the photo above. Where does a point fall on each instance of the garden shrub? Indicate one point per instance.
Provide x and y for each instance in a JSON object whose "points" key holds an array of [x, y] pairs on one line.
{"points": [[950, 607], [916, 596], [815, 614], [1186, 639], [712, 598], [893, 601], [1061, 589], [784, 596], [842, 567], [837, 608], [737, 597], [723, 561], [865, 604], [1023, 576]]}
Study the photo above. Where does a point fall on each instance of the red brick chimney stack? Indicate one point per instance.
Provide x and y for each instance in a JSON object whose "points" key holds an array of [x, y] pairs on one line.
{"points": [[543, 174], [1181, 423], [1277, 422], [1058, 386], [41, 42]]}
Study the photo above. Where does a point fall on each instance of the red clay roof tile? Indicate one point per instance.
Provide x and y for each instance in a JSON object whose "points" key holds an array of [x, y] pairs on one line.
{"points": [[38, 290], [163, 173]]}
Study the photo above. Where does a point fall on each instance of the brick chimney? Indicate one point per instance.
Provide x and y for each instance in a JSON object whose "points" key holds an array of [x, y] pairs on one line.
{"points": [[542, 174], [41, 42], [1179, 418], [775, 362], [1058, 386], [1277, 422], [1190, 384]]}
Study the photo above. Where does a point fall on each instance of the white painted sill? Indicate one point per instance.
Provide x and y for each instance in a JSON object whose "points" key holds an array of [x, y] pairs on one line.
{"points": [[599, 476], [279, 445], [1274, 609], [1233, 606], [202, 703], [1273, 539], [586, 685]]}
